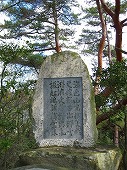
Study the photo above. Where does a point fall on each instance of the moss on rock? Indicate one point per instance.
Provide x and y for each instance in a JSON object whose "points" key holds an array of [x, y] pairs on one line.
{"points": [[99, 158]]}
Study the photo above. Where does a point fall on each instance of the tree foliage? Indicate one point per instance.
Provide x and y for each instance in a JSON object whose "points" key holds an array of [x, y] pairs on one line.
{"points": [[41, 22], [110, 82], [14, 54], [16, 96], [45, 25]]}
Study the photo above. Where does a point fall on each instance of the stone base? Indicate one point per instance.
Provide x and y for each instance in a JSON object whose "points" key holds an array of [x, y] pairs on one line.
{"points": [[70, 158]]}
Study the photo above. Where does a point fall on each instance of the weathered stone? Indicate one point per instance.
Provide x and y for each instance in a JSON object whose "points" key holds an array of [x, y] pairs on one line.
{"points": [[70, 158], [63, 108], [62, 118], [33, 167]]}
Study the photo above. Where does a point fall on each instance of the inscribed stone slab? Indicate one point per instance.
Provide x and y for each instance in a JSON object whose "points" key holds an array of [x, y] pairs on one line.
{"points": [[66, 66], [63, 108]]}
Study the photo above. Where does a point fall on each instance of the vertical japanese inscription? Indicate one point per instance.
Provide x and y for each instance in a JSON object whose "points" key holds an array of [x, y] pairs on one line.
{"points": [[63, 108]]}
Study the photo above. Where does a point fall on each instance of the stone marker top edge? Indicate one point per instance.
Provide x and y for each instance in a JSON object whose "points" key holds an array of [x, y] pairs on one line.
{"points": [[62, 77], [66, 52], [64, 56], [59, 59]]}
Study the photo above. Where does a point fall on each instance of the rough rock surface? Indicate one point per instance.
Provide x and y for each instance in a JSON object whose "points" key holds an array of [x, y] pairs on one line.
{"points": [[63, 65], [68, 158]]}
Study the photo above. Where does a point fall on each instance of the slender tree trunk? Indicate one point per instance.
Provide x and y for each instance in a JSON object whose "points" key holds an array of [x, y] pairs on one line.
{"points": [[118, 44], [102, 41], [1, 83], [109, 47], [116, 136], [57, 48], [100, 48], [117, 25]]}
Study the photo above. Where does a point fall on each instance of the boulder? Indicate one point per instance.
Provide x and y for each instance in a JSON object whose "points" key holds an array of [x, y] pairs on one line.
{"points": [[70, 158]]}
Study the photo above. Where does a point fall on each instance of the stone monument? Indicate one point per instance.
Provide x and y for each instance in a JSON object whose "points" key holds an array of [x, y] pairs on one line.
{"points": [[64, 108], [65, 123]]}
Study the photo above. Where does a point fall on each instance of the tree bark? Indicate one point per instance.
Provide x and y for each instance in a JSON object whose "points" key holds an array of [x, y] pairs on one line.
{"points": [[109, 47], [56, 31], [116, 136], [112, 112], [117, 25], [101, 47], [102, 41]]}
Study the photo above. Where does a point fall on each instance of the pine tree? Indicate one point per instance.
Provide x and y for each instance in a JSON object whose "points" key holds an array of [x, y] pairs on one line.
{"points": [[40, 22]]}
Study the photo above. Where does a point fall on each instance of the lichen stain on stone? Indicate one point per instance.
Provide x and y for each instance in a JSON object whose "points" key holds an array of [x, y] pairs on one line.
{"points": [[62, 56], [106, 158]]}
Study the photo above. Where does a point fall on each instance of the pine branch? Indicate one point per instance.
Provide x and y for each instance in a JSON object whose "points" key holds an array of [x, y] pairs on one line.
{"points": [[4, 9], [29, 63], [125, 52], [107, 9], [112, 112], [124, 22]]}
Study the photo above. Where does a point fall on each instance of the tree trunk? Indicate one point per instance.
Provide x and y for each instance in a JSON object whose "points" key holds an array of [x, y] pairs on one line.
{"points": [[57, 48], [56, 30], [102, 41], [113, 111], [117, 25], [118, 44], [101, 47], [116, 136], [109, 47]]}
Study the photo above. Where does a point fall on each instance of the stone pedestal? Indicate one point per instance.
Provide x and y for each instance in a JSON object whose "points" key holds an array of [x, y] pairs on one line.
{"points": [[71, 158]]}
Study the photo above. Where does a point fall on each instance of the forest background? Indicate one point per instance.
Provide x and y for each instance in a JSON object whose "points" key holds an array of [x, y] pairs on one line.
{"points": [[37, 28]]}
